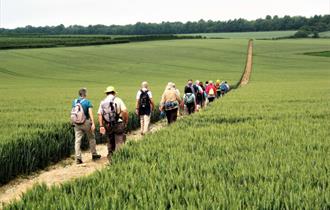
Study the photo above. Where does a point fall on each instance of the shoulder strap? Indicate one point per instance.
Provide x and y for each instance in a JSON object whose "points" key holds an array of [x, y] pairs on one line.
{"points": [[116, 106], [79, 101]]}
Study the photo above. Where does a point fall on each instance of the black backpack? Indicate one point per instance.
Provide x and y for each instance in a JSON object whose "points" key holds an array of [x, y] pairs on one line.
{"points": [[144, 100], [198, 94], [195, 89]]}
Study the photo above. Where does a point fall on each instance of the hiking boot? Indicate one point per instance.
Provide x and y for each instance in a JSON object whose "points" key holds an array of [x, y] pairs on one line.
{"points": [[79, 161], [96, 157]]}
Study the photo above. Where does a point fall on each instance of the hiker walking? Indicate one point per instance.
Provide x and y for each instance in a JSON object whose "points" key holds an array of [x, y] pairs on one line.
{"points": [[170, 103], [144, 107], [202, 85], [190, 85], [211, 91], [217, 86], [83, 122], [205, 100], [199, 95], [206, 84], [113, 119], [224, 88], [179, 94], [189, 100]]}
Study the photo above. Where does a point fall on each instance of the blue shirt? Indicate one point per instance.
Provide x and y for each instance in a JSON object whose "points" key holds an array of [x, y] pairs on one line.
{"points": [[223, 87], [85, 103]]}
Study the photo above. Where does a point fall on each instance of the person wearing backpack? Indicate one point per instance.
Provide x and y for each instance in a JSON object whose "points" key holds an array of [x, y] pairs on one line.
{"points": [[211, 91], [179, 94], [144, 107], [217, 86], [113, 119], [206, 84], [189, 100], [170, 102], [199, 95], [204, 95], [83, 122], [190, 85], [224, 88]]}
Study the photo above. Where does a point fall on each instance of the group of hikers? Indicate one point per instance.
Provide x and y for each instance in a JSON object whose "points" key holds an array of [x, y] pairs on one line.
{"points": [[113, 113]]}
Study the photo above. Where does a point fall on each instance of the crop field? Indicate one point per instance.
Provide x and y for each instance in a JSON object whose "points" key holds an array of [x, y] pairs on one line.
{"points": [[325, 34], [249, 35], [39, 85], [49, 41], [264, 146], [323, 53], [12, 42]]}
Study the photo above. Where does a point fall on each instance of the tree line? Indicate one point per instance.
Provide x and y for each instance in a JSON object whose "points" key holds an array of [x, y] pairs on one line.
{"points": [[315, 24]]}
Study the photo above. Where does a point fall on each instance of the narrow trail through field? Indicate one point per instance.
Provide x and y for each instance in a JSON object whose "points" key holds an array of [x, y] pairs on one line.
{"points": [[248, 66], [67, 170]]}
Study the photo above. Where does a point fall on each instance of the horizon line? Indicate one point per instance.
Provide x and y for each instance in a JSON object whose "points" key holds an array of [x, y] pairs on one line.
{"points": [[178, 21]]}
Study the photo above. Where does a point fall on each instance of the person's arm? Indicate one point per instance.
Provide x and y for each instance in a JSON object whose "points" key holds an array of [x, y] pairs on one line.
{"points": [[137, 105], [123, 111], [152, 104], [183, 101], [162, 102], [124, 115], [100, 119], [102, 128], [91, 116], [178, 98]]}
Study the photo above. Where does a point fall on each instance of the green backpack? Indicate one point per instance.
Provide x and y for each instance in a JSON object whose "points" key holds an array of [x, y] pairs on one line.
{"points": [[189, 98]]}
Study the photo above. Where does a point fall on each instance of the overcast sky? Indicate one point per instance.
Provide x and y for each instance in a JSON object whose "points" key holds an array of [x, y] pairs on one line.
{"points": [[16, 13]]}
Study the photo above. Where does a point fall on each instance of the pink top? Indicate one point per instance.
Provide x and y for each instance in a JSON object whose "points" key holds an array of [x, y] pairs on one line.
{"points": [[209, 87]]}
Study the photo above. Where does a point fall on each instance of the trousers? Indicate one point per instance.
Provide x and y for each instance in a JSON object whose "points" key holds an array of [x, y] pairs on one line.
{"points": [[144, 121], [80, 131], [116, 137], [171, 115]]}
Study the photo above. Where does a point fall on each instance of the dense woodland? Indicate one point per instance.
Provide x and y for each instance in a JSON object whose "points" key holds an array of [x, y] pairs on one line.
{"points": [[315, 24]]}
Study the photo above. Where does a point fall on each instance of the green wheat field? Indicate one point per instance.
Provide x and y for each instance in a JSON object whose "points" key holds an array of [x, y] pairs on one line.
{"points": [[263, 146]]}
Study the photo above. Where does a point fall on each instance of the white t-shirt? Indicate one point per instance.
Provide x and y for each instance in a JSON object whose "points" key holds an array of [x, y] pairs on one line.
{"points": [[139, 93], [120, 104]]}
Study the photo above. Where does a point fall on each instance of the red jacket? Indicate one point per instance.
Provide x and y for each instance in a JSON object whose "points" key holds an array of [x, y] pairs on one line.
{"points": [[209, 87]]}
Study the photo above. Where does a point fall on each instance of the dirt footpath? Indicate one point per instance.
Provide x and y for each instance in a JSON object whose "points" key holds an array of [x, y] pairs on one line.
{"points": [[248, 66], [65, 170]]}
